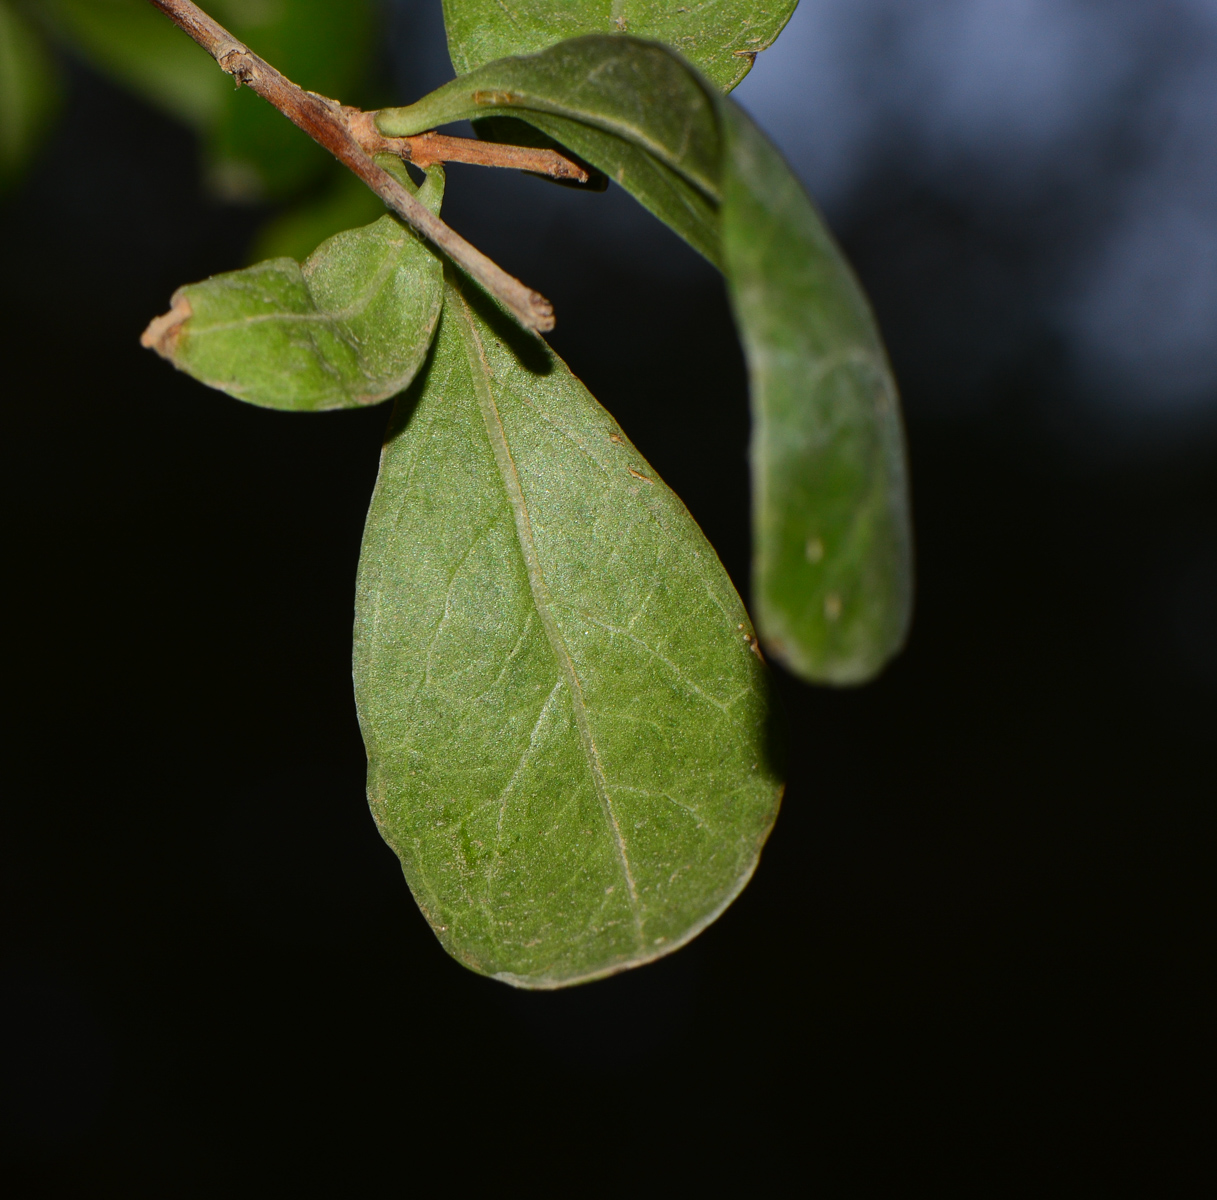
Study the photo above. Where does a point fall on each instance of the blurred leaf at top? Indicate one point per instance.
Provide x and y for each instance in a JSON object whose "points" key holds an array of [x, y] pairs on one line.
{"points": [[719, 37], [252, 151], [28, 92], [832, 541]]}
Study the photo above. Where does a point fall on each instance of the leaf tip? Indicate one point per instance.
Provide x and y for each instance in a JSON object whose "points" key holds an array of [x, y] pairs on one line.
{"points": [[163, 331]]}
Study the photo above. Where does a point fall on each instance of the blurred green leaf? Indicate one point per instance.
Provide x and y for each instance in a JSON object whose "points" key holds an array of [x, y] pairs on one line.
{"points": [[346, 203], [832, 565], [719, 37], [140, 48], [253, 151], [29, 92], [348, 328], [567, 727], [832, 538]]}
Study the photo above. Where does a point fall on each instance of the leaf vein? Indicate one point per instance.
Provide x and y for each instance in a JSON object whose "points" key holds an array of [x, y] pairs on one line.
{"points": [[480, 370]]}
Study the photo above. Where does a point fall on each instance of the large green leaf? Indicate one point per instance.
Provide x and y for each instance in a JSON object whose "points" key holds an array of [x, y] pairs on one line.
{"points": [[720, 37], [28, 92], [568, 729], [832, 538], [350, 327]]}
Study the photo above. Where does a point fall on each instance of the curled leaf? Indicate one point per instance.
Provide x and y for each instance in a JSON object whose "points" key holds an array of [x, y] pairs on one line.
{"points": [[349, 327], [568, 729], [832, 540]]}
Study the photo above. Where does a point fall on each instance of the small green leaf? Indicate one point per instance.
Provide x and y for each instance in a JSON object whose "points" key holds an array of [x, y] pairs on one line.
{"points": [[832, 568], [719, 37], [350, 327], [568, 729], [29, 92]]}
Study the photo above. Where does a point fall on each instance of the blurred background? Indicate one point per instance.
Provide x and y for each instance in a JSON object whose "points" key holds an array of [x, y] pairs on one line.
{"points": [[983, 913]]}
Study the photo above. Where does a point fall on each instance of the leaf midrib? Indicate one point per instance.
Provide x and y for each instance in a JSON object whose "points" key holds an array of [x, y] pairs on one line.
{"points": [[357, 307], [542, 601]]}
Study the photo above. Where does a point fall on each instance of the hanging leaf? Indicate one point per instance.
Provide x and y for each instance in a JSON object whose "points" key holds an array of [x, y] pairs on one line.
{"points": [[832, 542], [568, 729], [350, 327], [832, 563], [29, 92], [720, 38]]}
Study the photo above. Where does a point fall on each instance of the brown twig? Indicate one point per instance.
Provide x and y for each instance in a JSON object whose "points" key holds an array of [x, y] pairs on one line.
{"points": [[330, 124], [423, 149]]}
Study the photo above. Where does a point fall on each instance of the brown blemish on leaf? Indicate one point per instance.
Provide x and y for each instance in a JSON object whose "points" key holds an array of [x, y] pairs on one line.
{"points": [[639, 475], [163, 331], [495, 99]]}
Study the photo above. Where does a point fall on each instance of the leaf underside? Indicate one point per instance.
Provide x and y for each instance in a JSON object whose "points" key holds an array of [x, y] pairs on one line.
{"points": [[568, 729], [832, 570], [350, 327]]}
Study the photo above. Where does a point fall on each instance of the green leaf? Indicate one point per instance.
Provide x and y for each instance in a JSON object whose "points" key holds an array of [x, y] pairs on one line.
{"points": [[347, 202], [140, 48], [323, 46], [832, 568], [720, 37], [29, 92], [832, 541], [568, 731], [350, 327], [253, 151]]}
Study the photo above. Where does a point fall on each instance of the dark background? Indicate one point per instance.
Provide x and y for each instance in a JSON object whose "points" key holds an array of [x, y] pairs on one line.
{"points": [[979, 931]]}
